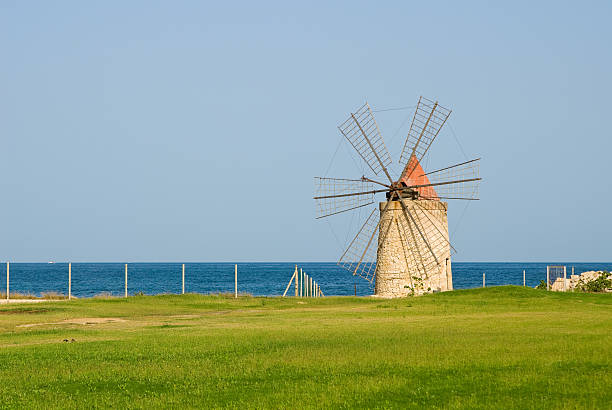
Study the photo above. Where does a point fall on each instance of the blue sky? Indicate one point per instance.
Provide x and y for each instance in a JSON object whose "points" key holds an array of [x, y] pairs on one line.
{"points": [[191, 131]]}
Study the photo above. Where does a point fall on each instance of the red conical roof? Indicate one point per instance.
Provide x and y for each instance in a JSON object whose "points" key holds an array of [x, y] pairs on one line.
{"points": [[418, 177]]}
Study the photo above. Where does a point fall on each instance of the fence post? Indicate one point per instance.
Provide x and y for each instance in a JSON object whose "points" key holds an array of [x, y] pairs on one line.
{"points": [[183, 279], [547, 277], [297, 280], [565, 279], [69, 280], [301, 281], [7, 280], [483, 280], [523, 278], [126, 295], [309, 284], [310, 288], [236, 281], [289, 284]]}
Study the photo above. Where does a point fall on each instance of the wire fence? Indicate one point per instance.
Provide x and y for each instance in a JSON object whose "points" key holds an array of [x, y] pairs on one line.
{"points": [[80, 280]]}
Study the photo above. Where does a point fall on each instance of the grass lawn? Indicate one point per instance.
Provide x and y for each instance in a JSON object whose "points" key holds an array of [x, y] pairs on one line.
{"points": [[502, 347]]}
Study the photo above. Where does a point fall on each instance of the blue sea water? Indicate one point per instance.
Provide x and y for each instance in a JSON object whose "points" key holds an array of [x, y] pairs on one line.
{"points": [[260, 279]]}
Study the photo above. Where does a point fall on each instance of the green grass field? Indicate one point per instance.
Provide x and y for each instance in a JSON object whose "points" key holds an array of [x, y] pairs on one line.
{"points": [[503, 347]]}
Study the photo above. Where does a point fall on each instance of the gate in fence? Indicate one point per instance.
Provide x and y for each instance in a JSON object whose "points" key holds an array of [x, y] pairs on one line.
{"points": [[556, 273]]}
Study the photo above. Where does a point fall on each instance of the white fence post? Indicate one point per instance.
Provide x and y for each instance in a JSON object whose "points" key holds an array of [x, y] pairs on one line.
{"points": [[126, 295], [523, 278], [183, 279], [547, 277], [236, 281], [69, 280], [7, 280], [483, 280], [297, 281], [289, 284]]}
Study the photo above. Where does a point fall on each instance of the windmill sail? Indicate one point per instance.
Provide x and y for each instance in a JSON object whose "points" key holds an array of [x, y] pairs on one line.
{"points": [[331, 198], [429, 118], [360, 256], [361, 130], [460, 181], [420, 245]]}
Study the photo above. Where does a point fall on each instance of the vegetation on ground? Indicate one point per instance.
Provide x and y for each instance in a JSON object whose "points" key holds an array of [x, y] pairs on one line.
{"points": [[501, 347], [599, 284], [43, 295]]}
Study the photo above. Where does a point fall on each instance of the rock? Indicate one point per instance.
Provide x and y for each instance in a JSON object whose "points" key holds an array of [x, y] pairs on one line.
{"points": [[574, 280]]}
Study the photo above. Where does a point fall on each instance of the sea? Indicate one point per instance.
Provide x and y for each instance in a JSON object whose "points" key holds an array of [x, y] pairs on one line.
{"points": [[257, 278]]}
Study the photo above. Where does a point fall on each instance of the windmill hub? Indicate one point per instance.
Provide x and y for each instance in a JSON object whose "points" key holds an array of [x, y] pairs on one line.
{"points": [[405, 246], [401, 189]]}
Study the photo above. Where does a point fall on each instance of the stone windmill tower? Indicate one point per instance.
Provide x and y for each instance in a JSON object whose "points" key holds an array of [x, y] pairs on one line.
{"points": [[403, 246]]}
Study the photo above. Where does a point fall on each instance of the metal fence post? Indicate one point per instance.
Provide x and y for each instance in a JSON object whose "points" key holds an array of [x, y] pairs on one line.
{"points": [[69, 280], [523, 278], [7, 280], [126, 295], [297, 281], [183, 279], [236, 281], [547, 278]]}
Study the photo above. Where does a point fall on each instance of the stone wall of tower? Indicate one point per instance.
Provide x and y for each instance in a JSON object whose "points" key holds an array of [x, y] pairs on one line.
{"points": [[405, 265]]}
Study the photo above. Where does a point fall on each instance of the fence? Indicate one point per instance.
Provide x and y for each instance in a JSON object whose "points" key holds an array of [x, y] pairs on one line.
{"points": [[68, 281], [259, 279], [305, 286]]}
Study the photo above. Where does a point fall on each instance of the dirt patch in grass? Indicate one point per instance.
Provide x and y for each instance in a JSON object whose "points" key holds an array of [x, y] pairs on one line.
{"points": [[94, 320], [79, 321]]}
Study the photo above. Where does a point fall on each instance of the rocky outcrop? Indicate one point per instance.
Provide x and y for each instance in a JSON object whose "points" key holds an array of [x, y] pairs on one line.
{"points": [[576, 282]]}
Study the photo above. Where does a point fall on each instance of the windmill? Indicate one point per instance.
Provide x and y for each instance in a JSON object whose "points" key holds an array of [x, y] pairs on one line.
{"points": [[403, 246]]}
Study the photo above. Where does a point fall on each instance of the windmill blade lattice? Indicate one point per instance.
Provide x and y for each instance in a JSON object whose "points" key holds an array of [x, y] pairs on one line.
{"points": [[429, 118], [361, 255], [356, 258], [361, 130], [330, 199], [426, 261], [460, 181], [433, 224]]}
